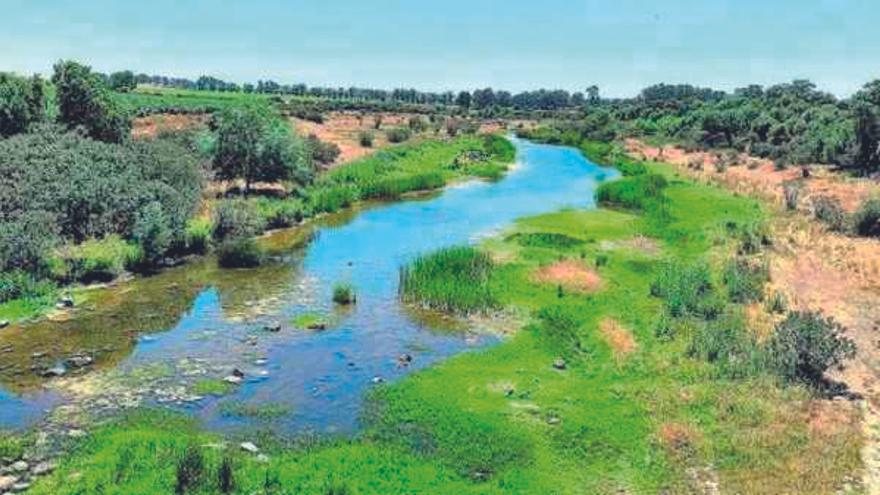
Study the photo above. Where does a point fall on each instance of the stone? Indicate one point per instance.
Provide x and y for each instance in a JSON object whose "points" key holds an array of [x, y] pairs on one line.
{"points": [[42, 469], [20, 467], [273, 327], [263, 458], [317, 326], [559, 364], [249, 447], [79, 361], [378, 379], [66, 302], [55, 371], [7, 482], [235, 380], [4, 323], [20, 487], [237, 372], [76, 433], [404, 360]]}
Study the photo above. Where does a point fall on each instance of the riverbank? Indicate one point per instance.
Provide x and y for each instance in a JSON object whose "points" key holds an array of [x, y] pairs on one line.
{"points": [[593, 395]]}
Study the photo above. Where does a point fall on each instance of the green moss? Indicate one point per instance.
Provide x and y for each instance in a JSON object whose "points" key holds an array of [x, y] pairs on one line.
{"points": [[211, 387]]}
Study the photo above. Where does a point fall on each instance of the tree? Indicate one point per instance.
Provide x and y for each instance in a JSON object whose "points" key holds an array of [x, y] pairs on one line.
{"points": [[593, 94], [21, 103], [85, 100], [866, 152], [254, 145], [123, 81], [152, 232], [463, 100]]}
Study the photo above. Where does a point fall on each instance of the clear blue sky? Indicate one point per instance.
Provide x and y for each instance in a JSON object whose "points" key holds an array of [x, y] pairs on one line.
{"points": [[621, 45]]}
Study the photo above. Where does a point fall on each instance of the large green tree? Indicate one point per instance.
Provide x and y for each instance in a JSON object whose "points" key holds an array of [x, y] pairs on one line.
{"points": [[85, 100], [22, 102], [255, 145]]}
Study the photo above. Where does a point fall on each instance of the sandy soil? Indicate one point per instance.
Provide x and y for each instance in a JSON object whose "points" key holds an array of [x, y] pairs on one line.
{"points": [[570, 274], [815, 269], [152, 125]]}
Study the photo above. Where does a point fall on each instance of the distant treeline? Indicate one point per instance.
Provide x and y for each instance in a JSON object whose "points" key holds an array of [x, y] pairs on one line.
{"points": [[792, 123], [542, 99]]}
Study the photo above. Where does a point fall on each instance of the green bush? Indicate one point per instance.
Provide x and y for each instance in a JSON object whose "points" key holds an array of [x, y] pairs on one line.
{"points": [[806, 345], [280, 213], [322, 152], [239, 252], [561, 322], [745, 280], [829, 211], [95, 260], [152, 233], [191, 468], [866, 220], [235, 219], [21, 285], [636, 192], [397, 134], [499, 148], [686, 289], [197, 235], [84, 99], [344, 294], [727, 342], [22, 103], [452, 279], [365, 138]]}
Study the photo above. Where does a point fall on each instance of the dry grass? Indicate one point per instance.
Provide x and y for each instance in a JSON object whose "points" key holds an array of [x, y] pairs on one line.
{"points": [[570, 274], [618, 337], [152, 125]]}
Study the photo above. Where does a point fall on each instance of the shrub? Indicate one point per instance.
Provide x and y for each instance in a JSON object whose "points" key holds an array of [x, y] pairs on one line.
{"points": [[791, 191], [226, 475], [397, 134], [21, 103], [499, 148], [546, 240], [805, 345], [197, 235], [866, 220], [322, 152], [685, 288], [95, 260], [777, 303], [828, 210], [21, 285], [365, 139], [344, 294], [234, 219], [745, 280], [452, 279], [280, 213], [330, 198], [754, 236], [727, 343], [633, 192], [25, 243], [152, 233], [561, 322], [239, 252]]}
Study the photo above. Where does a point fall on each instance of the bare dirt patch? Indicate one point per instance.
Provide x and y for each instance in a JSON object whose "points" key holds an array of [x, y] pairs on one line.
{"points": [[570, 274], [618, 337], [152, 126]]}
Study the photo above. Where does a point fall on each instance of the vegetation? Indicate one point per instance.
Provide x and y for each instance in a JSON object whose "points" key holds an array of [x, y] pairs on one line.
{"points": [[454, 279], [85, 100], [344, 294]]}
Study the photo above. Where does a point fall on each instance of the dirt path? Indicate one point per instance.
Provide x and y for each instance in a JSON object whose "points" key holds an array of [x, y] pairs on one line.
{"points": [[814, 268]]}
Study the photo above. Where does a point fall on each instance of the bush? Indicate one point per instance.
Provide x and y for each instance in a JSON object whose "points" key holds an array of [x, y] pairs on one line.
{"points": [[21, 103], [727, 343], [26, 242], [636, 192], [828, 210], [866, 220], [452, 279], [745, 280], [561, 322], [239, 252], [20, 285], [152, 233], [322, 152], [397, 134], [197, 235], [234, 219], [344, 294], [95, 260], [791, 191], [754, 236], [805, 345], [280, 213], [365, 139], [685, 288]]}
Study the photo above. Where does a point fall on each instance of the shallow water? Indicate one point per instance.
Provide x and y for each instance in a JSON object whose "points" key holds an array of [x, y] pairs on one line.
{"points": [[197, 322]]}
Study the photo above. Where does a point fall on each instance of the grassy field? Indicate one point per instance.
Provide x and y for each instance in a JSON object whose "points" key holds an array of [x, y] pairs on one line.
{"points": [[593, 396], [148, 99]]}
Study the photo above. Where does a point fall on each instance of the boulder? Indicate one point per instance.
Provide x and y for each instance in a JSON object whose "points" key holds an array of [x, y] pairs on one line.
{"points": [[4, 323], [7, 482], [249, 447], [559, 364]]}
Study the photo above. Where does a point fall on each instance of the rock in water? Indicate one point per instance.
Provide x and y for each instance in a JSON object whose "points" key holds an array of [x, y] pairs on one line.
{"points": [[273, 327], [235, 380]]}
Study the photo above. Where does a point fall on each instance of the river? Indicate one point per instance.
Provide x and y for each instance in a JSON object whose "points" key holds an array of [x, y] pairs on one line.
{"points": [[198, 322]]}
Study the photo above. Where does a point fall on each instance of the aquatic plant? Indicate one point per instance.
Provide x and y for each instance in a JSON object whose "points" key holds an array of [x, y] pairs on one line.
{"points": [[343, 293], [452, 279]]}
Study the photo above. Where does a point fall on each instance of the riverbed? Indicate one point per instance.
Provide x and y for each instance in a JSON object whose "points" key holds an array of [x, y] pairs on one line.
{"points": [[160, 338]]}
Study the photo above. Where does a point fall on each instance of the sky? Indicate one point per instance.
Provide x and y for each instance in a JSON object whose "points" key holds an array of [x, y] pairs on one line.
{"points": [[619, 45]]}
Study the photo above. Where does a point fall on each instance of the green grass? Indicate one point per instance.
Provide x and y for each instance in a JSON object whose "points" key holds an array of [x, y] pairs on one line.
{"points": [[310, 320], [504, 420], [455, 279], [212, 387], [344, 294], [146, 100]]}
